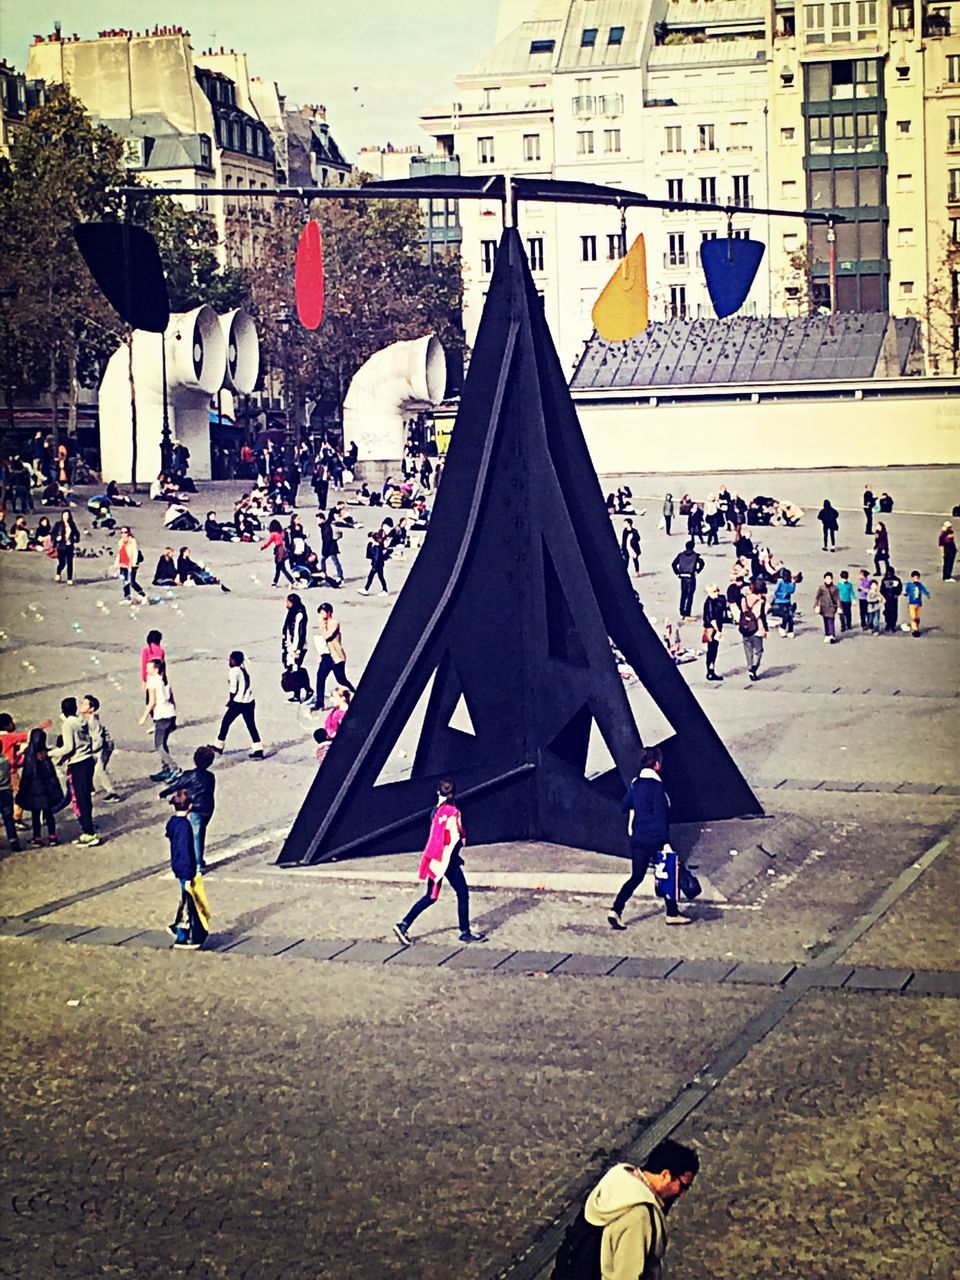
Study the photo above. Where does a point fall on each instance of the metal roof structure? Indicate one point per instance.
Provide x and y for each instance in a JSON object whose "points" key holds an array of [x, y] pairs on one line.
{"points": [[750, 350]]}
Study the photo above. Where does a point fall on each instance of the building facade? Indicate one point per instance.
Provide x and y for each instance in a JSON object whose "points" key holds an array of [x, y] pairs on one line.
{"points": [[846, 106]]}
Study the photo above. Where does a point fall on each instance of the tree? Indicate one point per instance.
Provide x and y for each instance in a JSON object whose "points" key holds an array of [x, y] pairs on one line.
{"points": [[942, 312], [379, 289]]}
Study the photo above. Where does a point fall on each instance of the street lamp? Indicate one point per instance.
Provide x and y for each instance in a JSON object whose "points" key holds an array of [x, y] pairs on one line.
{"points": [[284, 321]]}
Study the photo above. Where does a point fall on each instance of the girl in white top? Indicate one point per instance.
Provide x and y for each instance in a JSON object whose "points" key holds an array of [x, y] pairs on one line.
{"points": [[162, 707], [240, 702]]}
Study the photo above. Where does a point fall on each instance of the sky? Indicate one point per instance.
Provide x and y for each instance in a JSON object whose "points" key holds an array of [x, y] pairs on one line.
{"points": [[375, 64]]}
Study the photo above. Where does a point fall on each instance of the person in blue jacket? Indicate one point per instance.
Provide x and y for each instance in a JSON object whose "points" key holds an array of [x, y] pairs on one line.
{"points": [[648, 826], [188, 929], [915, 591]]}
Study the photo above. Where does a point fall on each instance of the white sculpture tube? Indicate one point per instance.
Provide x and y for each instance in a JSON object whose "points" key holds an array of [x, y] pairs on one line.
{"points": [[393, 381]]}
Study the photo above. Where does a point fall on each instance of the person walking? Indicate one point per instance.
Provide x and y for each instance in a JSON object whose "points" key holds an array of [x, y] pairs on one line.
{"points": [[200, 785], [686, 565], [6, 804], [442, 859], [240, 702], [847, 593], [191, 925], [891, 589], [293, 650], [714, 616], [784, 604], [101, 741], [947, 543], [621, 1231], [868, 504], [863, 592], [128, 561], [329, 544], [669, 510], [333, 657], [827, 604], [377, 555], [695, 521], [276, 540], [752, 625], [162, 709], [713, 520], [916, 592], [881, 547], [40, 791], [630, 547], [829, 518], [648, 827], [77, 754], [66, 537]]}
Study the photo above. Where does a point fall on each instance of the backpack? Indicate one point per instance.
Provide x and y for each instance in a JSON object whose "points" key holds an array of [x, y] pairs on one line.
{"points": [[748, 624], [578, 1257]]}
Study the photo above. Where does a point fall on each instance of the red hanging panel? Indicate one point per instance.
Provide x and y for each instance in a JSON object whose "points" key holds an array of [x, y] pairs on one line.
{"points": [[308, 276]]}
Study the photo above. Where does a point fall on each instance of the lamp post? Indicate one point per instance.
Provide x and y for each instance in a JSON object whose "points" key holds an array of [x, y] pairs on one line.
{"points": [[284, 322]]}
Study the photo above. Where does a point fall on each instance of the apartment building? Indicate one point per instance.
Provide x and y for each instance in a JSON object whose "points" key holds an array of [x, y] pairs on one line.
{"points": [[845, 106], [18, 95]]}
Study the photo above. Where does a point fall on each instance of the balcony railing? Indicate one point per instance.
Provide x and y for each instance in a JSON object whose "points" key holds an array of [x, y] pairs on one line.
{"points": [[675, 259], [742, 146], [611, 104], [742, 202], [584, 106]]}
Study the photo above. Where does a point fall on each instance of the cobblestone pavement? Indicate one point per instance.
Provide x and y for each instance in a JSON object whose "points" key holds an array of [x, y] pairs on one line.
{"points": [[239, 1114]]}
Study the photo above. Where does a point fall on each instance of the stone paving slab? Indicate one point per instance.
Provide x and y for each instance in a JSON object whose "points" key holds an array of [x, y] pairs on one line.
{"points": [[533, 961], [62, 932], [822, 975], [17, 927], [867, 979], [423, 955], [107, 935], [478, 956], [645, 967], [702, 971], [935, 984], [317, 949], [918, 788], [160, 939], [257, 946], [370, 952], [588, 966], [761, 974], [801, 784]]}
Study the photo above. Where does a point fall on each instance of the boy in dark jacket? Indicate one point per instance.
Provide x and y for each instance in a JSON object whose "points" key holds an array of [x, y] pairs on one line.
{"points": [[648, 827], [200, 786], [188, 930]]}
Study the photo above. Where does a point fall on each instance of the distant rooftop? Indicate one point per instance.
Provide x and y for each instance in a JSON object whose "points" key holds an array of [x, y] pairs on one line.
{"points": [[680, 353]]}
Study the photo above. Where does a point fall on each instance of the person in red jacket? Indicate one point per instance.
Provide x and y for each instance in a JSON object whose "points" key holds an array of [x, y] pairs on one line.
{"points": [[441, 860], [275, 539]]}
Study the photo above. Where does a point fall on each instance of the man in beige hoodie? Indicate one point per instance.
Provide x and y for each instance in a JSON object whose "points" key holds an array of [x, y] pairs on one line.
{"points": [[630, 1205]]}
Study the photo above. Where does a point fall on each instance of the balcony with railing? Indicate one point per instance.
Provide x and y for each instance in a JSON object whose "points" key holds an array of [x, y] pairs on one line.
{"points": [[676, 259], [742, 201], [584, 106], [610, 104]]}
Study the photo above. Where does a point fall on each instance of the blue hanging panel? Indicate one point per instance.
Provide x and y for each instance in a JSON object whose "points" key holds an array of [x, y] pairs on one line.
{"points": [[730, 268]]}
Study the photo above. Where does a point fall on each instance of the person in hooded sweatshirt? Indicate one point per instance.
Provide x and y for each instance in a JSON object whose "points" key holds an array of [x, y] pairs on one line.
{"points": [[624, 1217]]}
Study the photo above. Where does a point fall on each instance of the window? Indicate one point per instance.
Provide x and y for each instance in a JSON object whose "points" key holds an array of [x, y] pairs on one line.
{"points": [[904, 181], [674, 188], [867, 17], [489, 99], [611, 142], [205, 150], [865, 75], [868, 132], [791, 242], [741, 190], [788, 134], [905, 236], [615, 36], [953, 185], [821, 136], [840, 20], [585, 142], [955, 230], [738, 136], [616, 247], [788, 189], [677, 250], [531, 146], [588, 248], [673, 138], [869, 187], [488, 255], [903, 128], [708, 191], [906, 288], [953, 68], [843, 134], [813, 15], [707, 235], [705, 141], [678, 302], [588, 38], [542, 46], [903, 17], [535, 253], [953, 131], [485, 150]]}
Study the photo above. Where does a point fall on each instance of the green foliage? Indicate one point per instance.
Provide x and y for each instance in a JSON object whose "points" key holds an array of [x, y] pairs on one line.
{"points": [[379, 289]]}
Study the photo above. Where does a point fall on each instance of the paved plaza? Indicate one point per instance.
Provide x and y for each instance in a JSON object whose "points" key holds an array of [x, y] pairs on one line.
{"points": [[307, 1099]]}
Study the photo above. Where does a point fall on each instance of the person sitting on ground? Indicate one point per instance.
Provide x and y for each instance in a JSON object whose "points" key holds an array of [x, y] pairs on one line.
{"points": [[163, 490], [217, 531], [342, 517], [100, 507], [20, 534], [55, 496], [179, 520], [120, 499], [165, 574], [195, 574]]}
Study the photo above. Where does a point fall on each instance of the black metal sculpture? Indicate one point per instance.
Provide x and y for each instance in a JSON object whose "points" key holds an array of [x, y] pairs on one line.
{"points": [[511, 607]]}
